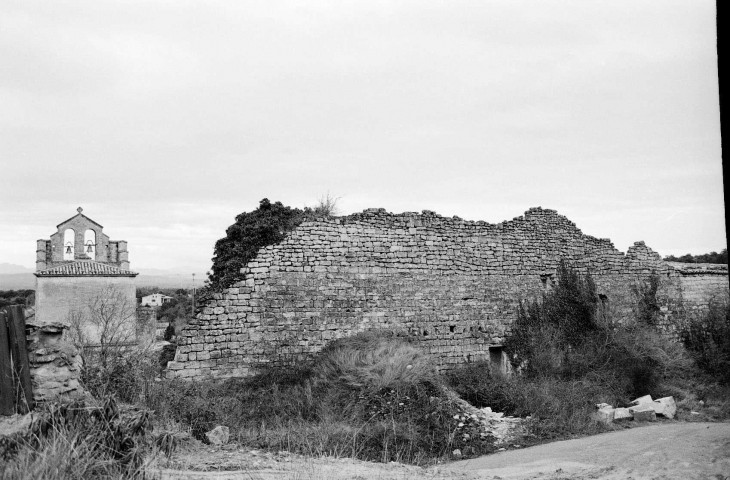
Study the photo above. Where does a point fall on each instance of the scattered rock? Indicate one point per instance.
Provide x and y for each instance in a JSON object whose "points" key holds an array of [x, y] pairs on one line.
{"points": [[219, 435], [665, 406], [642, 400], [605, 414], [456, 453], [621, 414], [644, 414], [15, 425], [504, 429]]}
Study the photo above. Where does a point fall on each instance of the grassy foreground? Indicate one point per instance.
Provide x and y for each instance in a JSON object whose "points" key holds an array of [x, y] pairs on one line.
{"points": [[375, 396]]}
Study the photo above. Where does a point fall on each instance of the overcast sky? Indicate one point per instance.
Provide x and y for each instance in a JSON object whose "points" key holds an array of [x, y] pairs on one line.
{"points": [[165, 119]]}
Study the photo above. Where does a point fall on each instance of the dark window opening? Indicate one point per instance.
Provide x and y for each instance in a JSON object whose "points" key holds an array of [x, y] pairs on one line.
{"points": [[451, 328]]}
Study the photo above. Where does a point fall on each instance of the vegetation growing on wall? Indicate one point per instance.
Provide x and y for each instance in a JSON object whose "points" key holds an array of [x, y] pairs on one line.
{"points": [[707, 337], [267, 225], [570, 355]]}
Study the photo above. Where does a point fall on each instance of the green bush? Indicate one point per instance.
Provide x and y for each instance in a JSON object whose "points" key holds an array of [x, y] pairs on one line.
{"points": [[371, 396], [707, 337], [545, 332], [127, 374], [570, 355], [556, 407], [480, 386], [267, 225], [646, 305], [169, 332], [167, 355], [568, 336]]}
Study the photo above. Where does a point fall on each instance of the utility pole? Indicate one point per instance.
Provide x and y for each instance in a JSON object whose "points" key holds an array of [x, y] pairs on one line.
{"points": [[193, 312]]}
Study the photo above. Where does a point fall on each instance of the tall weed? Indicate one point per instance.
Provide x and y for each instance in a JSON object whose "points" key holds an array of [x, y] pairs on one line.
{"points": [[75, 441], [371, 396], [707, 337]]}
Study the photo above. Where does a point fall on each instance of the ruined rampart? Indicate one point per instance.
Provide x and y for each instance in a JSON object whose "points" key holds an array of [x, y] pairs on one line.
{"points": [[454, 284]]}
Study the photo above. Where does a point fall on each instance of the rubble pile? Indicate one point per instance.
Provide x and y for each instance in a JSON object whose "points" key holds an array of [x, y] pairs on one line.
{"points": [[506, 430], [642, 409]]}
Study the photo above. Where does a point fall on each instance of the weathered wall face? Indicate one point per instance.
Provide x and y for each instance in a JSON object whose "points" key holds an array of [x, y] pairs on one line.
{"points": [[58, 299], [700, 283], [453, 284], [55, 364]]}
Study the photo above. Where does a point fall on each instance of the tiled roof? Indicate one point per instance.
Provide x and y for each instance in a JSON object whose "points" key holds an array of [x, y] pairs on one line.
{"points": [[81, 268]]}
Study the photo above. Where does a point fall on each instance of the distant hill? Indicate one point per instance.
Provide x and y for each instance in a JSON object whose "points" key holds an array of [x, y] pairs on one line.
{"points": [[13, 268]]}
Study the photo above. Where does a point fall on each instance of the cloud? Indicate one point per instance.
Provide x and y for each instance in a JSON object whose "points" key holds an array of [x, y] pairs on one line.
{"points": [[169, 118]]}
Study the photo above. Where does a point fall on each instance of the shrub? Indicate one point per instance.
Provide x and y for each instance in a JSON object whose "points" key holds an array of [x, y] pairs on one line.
{"points": [[707, 337], [126, 375], [646, 305], [547, 331], [373, 361], [572, 355], [167, 355], [479, 385], [76, 441], [373, 396], [169, 332], [556, 407], [267, 225]]}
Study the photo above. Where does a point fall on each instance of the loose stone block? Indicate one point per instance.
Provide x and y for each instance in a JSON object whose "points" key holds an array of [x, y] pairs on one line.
{"points": [[665, 406], [644, 415], [604, 414], [621, 414]]}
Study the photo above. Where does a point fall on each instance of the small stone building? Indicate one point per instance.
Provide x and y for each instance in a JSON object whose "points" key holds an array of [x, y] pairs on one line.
{"points": [[83, 281]]}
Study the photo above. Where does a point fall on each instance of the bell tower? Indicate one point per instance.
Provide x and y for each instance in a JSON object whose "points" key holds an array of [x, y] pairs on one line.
{"points": [[80, 238]]}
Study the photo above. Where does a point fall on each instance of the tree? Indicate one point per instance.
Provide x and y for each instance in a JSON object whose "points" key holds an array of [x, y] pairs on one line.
{"points": [[267, 225], [107, 321], [16, 297], [712, 257]]}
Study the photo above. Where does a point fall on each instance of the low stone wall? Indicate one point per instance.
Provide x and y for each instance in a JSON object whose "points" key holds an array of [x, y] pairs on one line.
{"points": [[451, 283], [55, 364]]}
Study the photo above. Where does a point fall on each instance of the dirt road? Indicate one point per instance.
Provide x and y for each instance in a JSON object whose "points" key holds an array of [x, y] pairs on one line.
{"points": [[669, 450], [664, 451]]}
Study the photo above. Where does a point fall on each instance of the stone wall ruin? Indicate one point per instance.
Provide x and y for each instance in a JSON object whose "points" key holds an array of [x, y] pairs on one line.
{"points": [[453, 284]]}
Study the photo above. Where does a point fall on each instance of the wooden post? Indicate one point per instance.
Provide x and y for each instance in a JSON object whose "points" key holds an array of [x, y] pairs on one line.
{"points": [[16, 328], [7, 393]]}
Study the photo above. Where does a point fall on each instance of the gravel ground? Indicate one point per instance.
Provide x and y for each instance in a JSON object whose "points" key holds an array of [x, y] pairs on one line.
{"points": [[670, 450]]}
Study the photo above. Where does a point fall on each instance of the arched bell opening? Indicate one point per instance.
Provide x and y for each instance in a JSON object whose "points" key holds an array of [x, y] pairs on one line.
{"points": [[90, 244], [69, 246]]}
